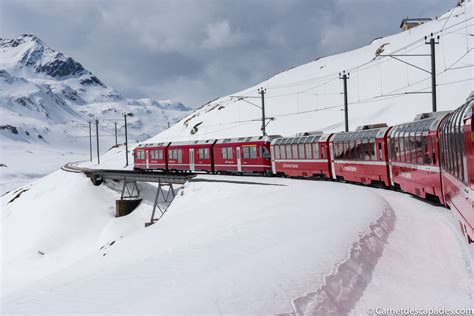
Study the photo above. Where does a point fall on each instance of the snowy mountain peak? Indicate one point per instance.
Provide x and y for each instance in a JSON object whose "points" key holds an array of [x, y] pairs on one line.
{"points": [[43, 92], [28, 51]]}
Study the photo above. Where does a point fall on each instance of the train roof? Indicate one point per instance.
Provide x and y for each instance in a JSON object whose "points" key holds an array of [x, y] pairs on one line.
{"points": [[247, 139], [195, 142], [371, 133], [162, 144], [429, 123], [306, 139]]}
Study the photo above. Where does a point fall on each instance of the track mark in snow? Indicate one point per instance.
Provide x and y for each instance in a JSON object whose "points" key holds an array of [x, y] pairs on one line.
{"points": [[342, 289]]}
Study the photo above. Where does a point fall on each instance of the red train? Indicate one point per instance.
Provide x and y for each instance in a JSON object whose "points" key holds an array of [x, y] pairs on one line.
{"points": [[431, 157]]}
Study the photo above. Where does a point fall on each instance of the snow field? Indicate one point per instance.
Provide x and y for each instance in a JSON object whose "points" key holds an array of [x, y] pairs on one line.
{"points": [[220, 248]]}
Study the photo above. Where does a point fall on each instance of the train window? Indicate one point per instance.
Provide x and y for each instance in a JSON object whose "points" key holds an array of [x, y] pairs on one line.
{"points": [[403, 147], [295, 151], [408, 147], [224, 153], [276, 151], [282, 151], [180, 155], [246, 151], [426, 151], [380, 152], [301, 151], [419, 150], [264, 152], [230, 153], [308, 151], [433, 151], [358, 151], [315, 150], [372, 149], [323, 149], [288, 151], [170, 154], [366, 150], [302, 140], [253, 152], [338, 150]]}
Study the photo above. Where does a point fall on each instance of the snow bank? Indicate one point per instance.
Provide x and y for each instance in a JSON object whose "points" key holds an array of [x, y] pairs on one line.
{"points": [[221, 247], [425, 264]]}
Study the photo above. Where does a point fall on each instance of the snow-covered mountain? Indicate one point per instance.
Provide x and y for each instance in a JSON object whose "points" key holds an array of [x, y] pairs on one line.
{"points": [[309, 97], [43, 92], [47, 99]]}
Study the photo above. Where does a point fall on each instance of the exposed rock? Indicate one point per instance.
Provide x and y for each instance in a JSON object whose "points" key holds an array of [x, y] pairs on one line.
{"points": [[10, 128]]}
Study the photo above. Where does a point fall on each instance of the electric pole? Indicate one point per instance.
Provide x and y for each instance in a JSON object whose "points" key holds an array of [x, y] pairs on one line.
{"points": [[97, 139], [115, 123], [432, 44], [90, 140], [262, 92], [126, 140], [344, 76]]}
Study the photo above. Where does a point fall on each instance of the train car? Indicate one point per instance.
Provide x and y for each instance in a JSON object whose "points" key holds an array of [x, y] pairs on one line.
{"points": [[361, 156], [414, 157], [191, 156], [151, 156], [243, 155], [456, 135], [301, 156]]}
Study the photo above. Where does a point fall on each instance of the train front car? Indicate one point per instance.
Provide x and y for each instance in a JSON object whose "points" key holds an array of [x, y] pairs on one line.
{"points": [[457, 165], [301, 156], [361, 156], [243, 155], [150, 156], [414, 156], [191, 156]]}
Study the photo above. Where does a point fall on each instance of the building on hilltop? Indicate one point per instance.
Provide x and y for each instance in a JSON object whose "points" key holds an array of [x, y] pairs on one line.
{"points": [[409, 23]]}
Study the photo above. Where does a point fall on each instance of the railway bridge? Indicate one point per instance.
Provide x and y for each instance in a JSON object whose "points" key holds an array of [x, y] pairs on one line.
{"points": [[130, 194]]}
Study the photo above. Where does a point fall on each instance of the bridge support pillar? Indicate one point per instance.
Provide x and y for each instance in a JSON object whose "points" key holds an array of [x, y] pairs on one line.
{"points": [[128, 199], [165, 201], [125, 207]]}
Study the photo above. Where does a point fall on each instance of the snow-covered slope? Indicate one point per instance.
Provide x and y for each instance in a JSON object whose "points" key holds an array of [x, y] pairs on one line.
{"points": [[309, 97], [47, 99], [228, 247]]}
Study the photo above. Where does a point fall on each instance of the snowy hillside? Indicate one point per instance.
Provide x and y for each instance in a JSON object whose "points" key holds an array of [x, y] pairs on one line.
{"points": [[309, 97], [47, 99], [227, 248]]}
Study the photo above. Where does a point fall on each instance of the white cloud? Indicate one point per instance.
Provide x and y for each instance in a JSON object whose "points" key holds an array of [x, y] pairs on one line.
{"points": [[220, 35]]}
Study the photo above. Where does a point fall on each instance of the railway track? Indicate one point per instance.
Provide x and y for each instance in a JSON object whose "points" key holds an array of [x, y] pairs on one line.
{"points": [[98, 175]]}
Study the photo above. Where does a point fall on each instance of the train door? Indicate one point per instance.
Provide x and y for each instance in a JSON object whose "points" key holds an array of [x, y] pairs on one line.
{"points": [[331, 158], [272, 156], [239, 161], [147, 158], [391, 156], [191, 159]]}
